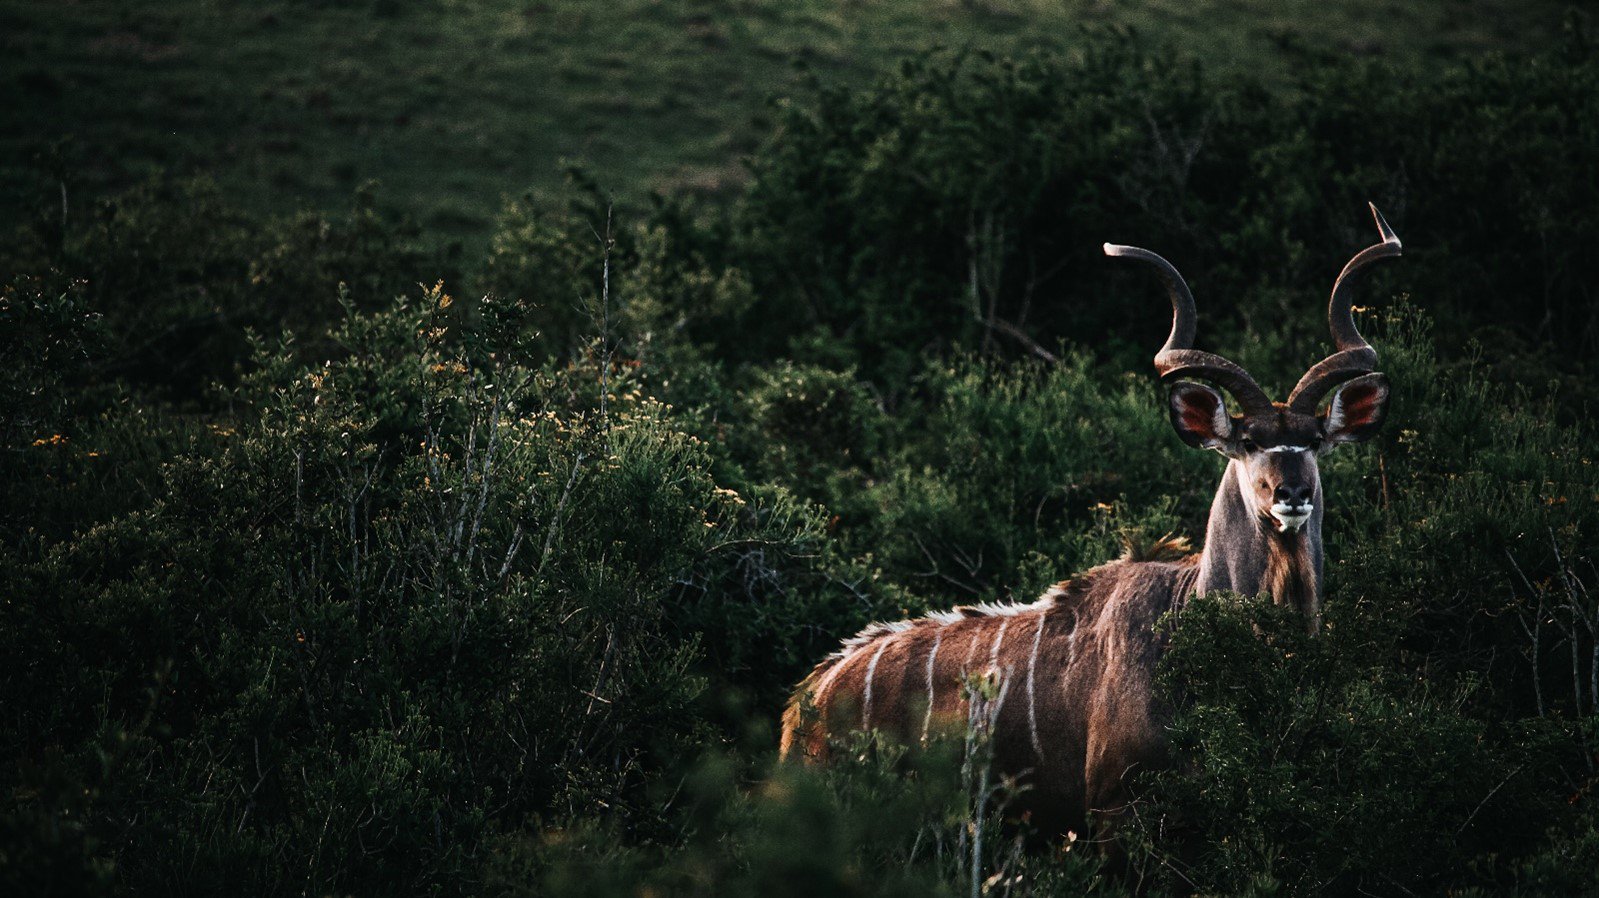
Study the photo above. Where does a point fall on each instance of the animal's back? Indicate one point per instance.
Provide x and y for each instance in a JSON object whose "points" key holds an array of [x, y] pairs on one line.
{"points": [[1074, 669]]}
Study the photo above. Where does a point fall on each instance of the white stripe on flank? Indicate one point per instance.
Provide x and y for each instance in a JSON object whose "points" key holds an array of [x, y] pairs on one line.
{"points": [[1032, 693], [971, 651], [993, 653], [826, 681], [1071, 645], [866, 700], [927, 721]]}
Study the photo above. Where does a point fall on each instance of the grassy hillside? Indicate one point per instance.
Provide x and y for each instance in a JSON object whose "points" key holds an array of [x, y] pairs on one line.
{"points": [[451, 105]]}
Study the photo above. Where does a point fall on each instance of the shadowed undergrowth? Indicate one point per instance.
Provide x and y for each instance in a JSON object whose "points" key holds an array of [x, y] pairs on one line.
{"points": [[326, 575]]}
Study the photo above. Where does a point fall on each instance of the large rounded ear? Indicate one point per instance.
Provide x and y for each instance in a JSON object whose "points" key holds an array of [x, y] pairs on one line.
{"points": [[1357, 409], [1200, 416]]}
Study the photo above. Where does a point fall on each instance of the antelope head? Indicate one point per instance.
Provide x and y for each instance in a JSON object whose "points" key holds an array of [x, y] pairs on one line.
{"points": [[1275, 444]]}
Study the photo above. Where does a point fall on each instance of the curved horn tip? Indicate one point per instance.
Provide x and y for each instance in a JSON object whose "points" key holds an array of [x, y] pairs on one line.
{"points": [[1112, 249], [1388, 235]]}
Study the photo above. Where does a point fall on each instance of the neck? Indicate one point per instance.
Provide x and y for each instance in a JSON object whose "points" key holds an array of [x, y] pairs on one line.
{"points": [[1249, 555]]}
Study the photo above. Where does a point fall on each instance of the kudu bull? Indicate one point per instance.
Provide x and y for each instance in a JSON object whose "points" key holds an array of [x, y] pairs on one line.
{"points": [[1080, 712]]}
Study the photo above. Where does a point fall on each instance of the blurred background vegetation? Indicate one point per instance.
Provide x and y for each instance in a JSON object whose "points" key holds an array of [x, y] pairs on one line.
{"points": [[438, 435], [452, 105]]}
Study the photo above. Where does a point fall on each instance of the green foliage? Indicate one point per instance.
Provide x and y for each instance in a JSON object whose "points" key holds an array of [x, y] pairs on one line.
{"points": [[881, 822], [1021, 478], [944, 204], [179, 275], [290, 104], [300, 261], [47, 336], [645, 289], [318, 583], [1464, 517], [963, 201], [1305, 768], [553, 266], [409, 585], [678, 306], [809, 426], [165, 263]]}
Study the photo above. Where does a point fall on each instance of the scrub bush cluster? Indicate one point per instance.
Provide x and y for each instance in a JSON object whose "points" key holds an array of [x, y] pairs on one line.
{"points": [[336, 563]]}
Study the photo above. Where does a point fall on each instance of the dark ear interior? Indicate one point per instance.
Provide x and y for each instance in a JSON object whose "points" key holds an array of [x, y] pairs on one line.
{"points": [[1357, 409], [1199, 415]]}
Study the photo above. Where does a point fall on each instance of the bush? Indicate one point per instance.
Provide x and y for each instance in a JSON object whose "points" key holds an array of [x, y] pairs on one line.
{"points": [[48, 334], [414, 597], [314, 589], [882, 822], [1303, 768], [179, 275], [963, 202]]}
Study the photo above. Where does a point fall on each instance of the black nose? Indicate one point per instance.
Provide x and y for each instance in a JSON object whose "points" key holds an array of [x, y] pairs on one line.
{"points": [[1291, 495]]}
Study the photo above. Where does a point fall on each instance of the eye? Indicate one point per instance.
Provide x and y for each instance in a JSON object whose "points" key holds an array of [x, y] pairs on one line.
{"points": [[1248, 445], [1315, 445]]}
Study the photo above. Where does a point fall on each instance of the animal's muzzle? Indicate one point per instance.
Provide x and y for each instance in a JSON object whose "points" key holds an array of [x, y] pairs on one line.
{"points": [[1290, 516]]}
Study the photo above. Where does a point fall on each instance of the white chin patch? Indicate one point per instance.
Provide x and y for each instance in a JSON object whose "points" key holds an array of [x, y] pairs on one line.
{"points": [[1290, 518]]}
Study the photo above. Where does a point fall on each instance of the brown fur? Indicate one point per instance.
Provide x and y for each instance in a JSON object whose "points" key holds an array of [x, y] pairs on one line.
{"points": [[1076, 716], [1290, 576]]}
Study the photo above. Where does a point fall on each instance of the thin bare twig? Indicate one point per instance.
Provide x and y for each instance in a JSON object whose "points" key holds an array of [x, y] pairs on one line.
{"points": [[1485, 799]]}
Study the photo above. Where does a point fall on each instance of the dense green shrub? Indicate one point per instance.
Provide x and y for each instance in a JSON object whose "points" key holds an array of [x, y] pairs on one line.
{"points": [[645, 288], [882, 821], [1477, 509], [964, 200], [179, 274], [1016, 476], [554, 267], [48, 334], [448, 596], [410, 597], [1306, 768], [952, 203]]}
